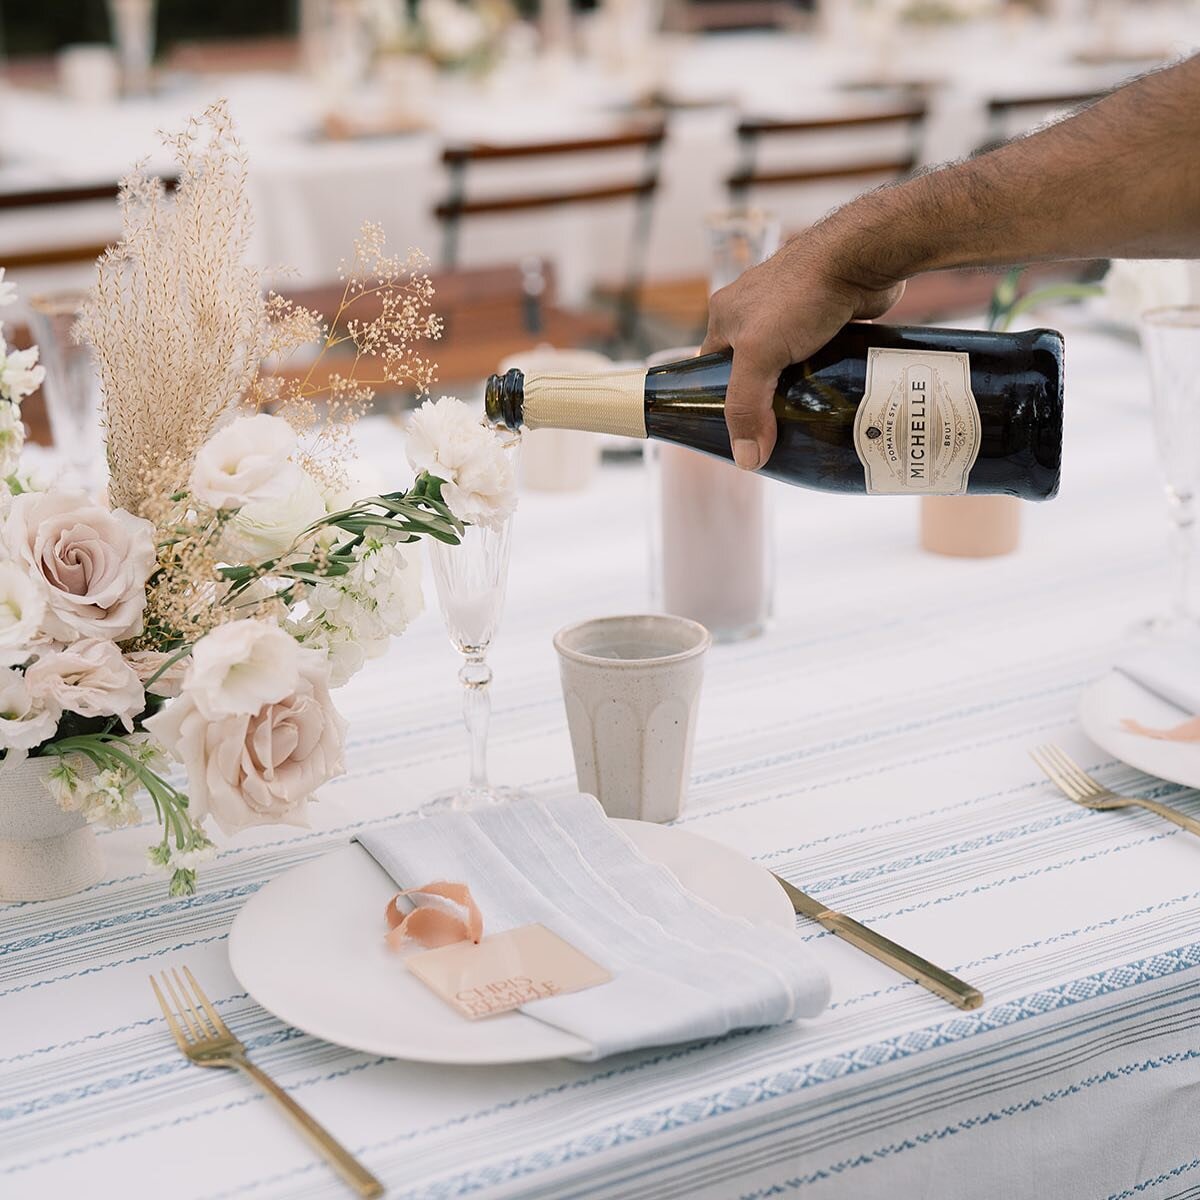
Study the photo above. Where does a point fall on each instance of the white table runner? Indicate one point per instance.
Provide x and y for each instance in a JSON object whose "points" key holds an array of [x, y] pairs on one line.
{"points": [[872, 748]]}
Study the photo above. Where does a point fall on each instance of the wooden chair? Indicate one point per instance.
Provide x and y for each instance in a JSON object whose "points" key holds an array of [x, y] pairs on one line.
{"points": [[710, 16], [752, 131], [70, 251], [640, 189], [1030, 110]]}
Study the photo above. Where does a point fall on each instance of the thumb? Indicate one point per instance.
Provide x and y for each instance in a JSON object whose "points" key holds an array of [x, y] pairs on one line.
{"points": [[748, 411]]}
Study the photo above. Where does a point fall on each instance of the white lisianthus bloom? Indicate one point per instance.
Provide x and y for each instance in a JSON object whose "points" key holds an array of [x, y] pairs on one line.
{"points": [[91, 678], [12, 439], [8, 291], [240, 667], [268, 526], [241, 463], [22, 607], [448, 441], [25, 722], [157, 677], [20, 374], [92, 562]]}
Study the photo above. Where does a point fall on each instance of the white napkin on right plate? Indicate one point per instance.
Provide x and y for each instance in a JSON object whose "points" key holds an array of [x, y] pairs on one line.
{"points": [[1170, 669]]}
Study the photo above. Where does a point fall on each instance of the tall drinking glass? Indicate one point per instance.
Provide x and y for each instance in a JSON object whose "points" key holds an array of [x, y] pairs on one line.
{"points": [[72, 390], [471, 579], [1171, 337]]}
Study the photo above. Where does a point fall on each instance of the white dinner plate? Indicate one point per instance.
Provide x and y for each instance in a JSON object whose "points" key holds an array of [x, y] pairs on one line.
{"points": [[1109, 700], [309, 948]]}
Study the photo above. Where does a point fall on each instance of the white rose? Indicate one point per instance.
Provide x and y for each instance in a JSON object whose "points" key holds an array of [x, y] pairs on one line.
{"points": [[90, 678], [92, 562], [239, 667], [20, 375], [242, 461], [25, 721], [261, 767], [146, 664], [269, 526], [12, 440], [22, 607]]}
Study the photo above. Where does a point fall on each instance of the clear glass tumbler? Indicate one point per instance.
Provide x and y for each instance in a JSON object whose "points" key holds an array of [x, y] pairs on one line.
{"points": [[1171, 338], [72, 391]]}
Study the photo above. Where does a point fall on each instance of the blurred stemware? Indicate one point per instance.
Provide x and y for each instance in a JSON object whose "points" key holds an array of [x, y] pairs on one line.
{"points": [[471, 579], [1171, 337], [71, 390]]}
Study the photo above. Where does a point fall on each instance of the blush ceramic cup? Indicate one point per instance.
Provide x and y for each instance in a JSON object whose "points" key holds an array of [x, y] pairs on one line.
{"points": [[631, 686]]}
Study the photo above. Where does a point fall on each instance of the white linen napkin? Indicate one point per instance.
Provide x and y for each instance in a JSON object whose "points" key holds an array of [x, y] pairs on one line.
{"points": [[681, 969], [1170, 669]]}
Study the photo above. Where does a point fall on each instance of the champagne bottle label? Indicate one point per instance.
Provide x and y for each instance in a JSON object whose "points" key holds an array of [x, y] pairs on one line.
{"points": [[917, 428]]}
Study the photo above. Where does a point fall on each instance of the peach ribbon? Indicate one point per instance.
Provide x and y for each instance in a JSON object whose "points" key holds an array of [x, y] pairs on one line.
{"points": [[1187, 731], [431, 924]]}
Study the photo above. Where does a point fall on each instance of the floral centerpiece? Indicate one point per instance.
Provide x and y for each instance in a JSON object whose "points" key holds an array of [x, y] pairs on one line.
{"points": [[201, 614]]}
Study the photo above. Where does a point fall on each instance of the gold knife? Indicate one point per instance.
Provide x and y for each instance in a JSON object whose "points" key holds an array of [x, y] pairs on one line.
{"points": [[911, 966]]}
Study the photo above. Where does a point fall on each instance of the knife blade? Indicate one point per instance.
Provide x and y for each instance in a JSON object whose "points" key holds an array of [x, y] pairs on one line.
{"points": [[892, 954]]}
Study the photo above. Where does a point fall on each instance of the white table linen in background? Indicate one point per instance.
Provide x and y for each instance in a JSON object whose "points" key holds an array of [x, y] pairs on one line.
{"points": [[311, 196], [872, 747], [681, 970]]}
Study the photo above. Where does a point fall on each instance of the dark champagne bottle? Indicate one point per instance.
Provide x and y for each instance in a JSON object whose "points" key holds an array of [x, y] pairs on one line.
{"points": [[881, 409]]}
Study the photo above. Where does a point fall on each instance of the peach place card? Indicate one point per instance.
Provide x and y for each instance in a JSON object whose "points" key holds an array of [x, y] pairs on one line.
{"points": [[506, 970]]}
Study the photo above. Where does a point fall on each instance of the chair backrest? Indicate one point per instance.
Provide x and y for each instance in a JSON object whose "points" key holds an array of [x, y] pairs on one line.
{"points": [[639, 186], [1030, 109], [699, 16], [71, 250], [752, 131]]}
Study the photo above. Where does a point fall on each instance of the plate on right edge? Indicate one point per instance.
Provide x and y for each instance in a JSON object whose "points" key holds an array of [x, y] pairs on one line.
{"points": [[1109, 700]]}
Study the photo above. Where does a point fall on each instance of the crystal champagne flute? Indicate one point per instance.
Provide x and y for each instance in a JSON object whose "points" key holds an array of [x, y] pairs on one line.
{"points": [[1171, 337]]}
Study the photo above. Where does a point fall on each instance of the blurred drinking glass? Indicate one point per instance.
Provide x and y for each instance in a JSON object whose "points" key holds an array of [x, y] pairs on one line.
{"points": [[739, 238], [71, 390], [1171, 337], [132, 23]]}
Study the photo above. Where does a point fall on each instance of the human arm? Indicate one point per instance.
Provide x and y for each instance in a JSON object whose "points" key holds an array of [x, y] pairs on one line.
{"points": [[1121, 178]]}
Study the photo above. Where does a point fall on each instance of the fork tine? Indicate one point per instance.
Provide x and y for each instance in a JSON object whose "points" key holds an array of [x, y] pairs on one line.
{"points": [[192, 1009], [1089, 786], [1050, 767], [219, 1025], [176, 1030], [195, 1033]]}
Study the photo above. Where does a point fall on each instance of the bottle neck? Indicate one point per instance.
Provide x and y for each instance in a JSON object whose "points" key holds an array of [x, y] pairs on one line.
{"points": [[612, 402]]}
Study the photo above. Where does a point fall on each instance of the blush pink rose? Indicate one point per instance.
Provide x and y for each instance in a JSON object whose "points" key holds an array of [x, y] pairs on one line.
{"points": [[92, 562], [257, 768]]}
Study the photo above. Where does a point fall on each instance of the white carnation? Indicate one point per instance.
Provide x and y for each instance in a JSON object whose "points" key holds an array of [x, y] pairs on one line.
{"points": [[449, 442]]}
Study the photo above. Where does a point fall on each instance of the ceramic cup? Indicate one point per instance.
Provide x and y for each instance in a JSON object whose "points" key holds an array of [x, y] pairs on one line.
{"points": [[632, 691]]}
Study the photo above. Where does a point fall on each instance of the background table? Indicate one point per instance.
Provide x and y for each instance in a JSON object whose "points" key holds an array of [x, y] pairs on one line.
{"points": [[872, 747]]}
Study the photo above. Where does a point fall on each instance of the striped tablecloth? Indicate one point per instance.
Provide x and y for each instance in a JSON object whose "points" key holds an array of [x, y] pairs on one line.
{"points": [[872, 747]]}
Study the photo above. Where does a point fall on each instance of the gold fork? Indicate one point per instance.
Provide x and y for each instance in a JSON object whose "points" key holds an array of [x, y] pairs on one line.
{"points": [[208, 1042], [1091, 793]]}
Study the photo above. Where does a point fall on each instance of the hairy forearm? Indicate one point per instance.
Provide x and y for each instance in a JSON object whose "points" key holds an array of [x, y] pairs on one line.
{"points": [[1120, 179]]}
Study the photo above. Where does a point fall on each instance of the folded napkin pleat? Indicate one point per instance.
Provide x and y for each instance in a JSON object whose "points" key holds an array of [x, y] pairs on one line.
{"points": [[1170, 669], [681, 969]]}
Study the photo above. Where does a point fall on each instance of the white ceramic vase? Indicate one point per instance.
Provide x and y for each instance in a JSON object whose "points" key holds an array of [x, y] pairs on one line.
{"points": [[45, 852]]}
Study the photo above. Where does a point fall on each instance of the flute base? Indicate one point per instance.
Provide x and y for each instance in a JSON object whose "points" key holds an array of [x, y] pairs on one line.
{"points": [[463, 799]]}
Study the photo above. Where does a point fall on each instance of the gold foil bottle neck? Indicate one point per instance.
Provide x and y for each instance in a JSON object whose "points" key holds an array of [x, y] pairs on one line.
{"points": [[611, 402]]}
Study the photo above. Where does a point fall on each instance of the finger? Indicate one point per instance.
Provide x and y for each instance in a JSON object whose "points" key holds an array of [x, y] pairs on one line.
{"points": [[715, 337], [748, 411]]}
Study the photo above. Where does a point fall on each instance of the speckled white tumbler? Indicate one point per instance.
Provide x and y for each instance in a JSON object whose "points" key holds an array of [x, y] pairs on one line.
{"points": [[632, 691], [45, 852]]}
